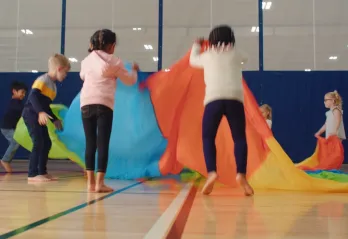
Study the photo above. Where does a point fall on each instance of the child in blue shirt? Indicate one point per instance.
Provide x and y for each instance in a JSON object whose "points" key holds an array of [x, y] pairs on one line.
{"points": [[10, 120], [36, 113]]}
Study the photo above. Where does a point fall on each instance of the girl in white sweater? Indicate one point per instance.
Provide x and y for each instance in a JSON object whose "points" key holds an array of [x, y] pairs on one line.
{"points": [[222, 65]]}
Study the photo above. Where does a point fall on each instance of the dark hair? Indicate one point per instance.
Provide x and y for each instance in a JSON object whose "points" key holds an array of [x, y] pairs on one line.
{"points": [[102, 39], [18, 86], [222, 34]]}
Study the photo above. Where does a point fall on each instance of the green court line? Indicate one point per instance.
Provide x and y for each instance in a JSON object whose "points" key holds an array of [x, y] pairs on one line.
{"points": [[66, 212]]}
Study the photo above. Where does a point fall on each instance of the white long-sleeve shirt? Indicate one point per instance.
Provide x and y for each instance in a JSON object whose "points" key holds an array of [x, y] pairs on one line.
{"points": [[222, 72]]}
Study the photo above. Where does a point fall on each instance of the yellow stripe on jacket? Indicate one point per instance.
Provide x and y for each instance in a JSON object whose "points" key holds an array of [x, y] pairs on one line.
{"points": [[45, 90]]}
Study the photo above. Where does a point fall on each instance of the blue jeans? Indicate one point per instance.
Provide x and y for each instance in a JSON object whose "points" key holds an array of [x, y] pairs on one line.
{"points": [[13, 145]]}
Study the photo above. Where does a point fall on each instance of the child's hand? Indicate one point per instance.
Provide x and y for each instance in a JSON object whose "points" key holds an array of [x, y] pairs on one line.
{"points": [[43, 118], [58, 125], [135, 67], [200, 40]]}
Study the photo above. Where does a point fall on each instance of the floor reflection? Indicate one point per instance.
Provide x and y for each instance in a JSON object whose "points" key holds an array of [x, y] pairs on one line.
{"points": [[268, 215]]}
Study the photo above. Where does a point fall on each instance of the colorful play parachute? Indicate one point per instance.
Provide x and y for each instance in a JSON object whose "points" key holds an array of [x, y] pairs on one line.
{"points": [[58, 150], [328, 155], [136, 143], [177, 97], [158, 132]]}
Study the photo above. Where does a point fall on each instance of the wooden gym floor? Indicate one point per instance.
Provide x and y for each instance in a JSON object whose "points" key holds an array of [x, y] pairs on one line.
{"points": [[164, 208]]}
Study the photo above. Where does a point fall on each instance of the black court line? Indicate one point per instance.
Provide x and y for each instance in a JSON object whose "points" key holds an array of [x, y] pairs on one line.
{"points": [[66, 212], [179, 224]]}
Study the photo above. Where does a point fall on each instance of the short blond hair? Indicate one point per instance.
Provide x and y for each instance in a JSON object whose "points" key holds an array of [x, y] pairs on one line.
{"points": [[336, 97], [58, 60], [268, 109]]}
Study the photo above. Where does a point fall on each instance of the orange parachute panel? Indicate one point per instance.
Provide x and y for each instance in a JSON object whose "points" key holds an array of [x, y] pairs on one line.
{"points": [[328, 155], [177, 97]]}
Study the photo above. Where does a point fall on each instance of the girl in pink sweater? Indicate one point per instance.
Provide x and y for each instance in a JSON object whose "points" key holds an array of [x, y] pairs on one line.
{"points": [[99, 71]]}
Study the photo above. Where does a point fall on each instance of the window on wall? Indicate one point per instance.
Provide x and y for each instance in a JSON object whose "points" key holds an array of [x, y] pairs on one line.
{"points": [[134, 21], [306, 35], [298, 35], [29, 34], [184, 21], [243, 17], [331, 34]]}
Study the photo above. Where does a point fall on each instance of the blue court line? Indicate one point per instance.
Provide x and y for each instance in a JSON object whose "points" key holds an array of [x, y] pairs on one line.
{"points": [[66, 212]]}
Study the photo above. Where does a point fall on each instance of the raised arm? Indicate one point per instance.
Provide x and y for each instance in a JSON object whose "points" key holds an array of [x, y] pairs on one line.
{"points": [[119, 71], [196, 56], [126, 77]]}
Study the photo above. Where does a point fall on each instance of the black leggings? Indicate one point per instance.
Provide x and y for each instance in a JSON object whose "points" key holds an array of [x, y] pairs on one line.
{"points": [[234, 112], [97, 123]]}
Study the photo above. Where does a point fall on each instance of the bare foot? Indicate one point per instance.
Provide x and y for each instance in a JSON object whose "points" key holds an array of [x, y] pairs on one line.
{"points": [[103, 189], [90, 180], [49, 176], [241, 179], [90, 188], [209, 184], [38, 178], [100, 185], [6, 166]]}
